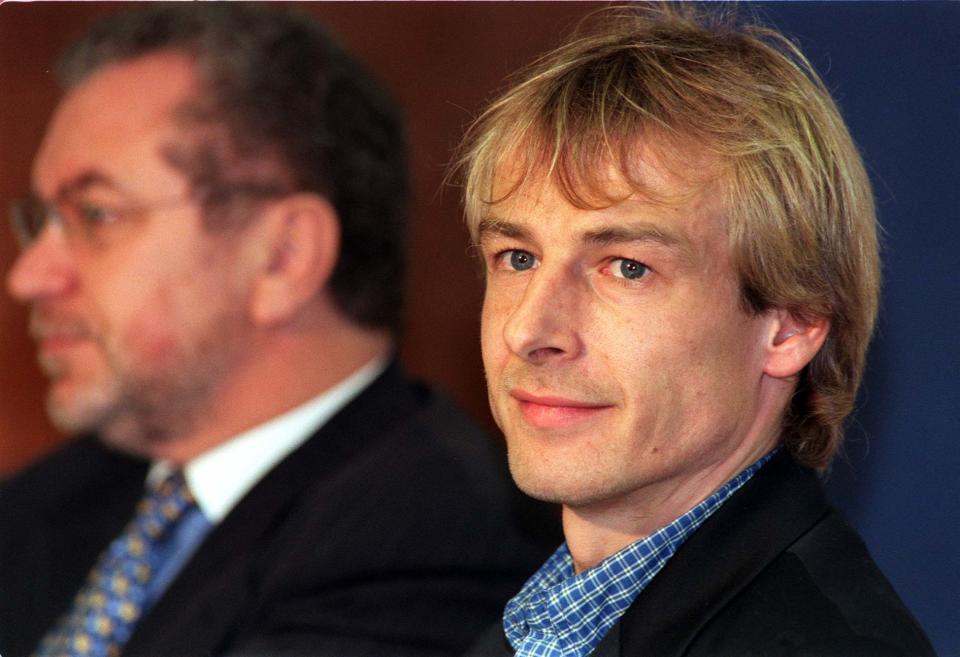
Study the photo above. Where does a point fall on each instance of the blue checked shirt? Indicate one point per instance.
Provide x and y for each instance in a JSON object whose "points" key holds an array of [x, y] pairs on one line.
{"points": [[562, 614]]}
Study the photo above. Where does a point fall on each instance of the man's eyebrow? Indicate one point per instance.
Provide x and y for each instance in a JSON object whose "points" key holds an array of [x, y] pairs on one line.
{"points": [[637, 232], [84, 181], [640, 231], [490, 225]]}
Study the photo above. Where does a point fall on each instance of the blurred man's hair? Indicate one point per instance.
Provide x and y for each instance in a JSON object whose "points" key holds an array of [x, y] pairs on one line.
{"points": [[283, 108]]}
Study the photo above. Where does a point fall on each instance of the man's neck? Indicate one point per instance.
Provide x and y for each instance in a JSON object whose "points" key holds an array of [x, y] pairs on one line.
{"points": [[596, 531], [280, 376]]}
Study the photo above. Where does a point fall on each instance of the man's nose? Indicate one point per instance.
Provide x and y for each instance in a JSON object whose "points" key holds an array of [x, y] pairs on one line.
{"points": [[45, 269], [544, 326]]}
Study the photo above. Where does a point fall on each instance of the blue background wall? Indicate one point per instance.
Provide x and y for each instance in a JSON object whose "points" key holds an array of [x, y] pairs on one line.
{"points": [[895, 69]]}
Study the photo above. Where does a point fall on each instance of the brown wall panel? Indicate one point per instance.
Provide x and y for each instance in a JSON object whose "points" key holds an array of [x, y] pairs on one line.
{"points": [[440, 59]]}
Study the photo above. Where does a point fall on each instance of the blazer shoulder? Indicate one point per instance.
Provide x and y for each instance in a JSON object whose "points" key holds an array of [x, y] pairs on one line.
{"points": [[823, 595], [775, 571], [70, 477], [492, 643], [445, 476], [837, 562]]}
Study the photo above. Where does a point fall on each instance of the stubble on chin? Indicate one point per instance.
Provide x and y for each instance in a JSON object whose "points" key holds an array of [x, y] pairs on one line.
{"points": [[105, 410], [574, 484], [103, 398], [131, 416], [166, 399], [74, 405], [550, 473]]}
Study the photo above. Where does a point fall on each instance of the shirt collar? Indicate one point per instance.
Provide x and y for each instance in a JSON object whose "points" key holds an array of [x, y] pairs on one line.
{"points": [[565, 613], [221, 476]]}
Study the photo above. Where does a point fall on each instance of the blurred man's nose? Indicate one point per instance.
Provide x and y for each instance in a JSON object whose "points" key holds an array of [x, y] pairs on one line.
{"points": [[44, 269]]}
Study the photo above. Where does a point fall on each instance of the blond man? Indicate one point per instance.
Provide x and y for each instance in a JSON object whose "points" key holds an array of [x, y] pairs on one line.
{"points": [[680, 252]]}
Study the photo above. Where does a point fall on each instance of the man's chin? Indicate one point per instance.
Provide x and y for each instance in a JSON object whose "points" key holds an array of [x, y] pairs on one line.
{"points": [[69, 419], [554, 489], [127, 442], [74, 415], [571, 483]]}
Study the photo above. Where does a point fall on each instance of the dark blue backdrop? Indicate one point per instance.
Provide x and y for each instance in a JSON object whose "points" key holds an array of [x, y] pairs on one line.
{"points": [[895, 69]]}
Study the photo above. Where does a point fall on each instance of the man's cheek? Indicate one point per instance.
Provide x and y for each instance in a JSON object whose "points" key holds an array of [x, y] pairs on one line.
{"points": [[149, 337]]}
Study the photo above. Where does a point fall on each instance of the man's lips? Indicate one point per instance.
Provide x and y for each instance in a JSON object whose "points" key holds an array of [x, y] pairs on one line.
{"points": [[54, 343], [53, 339], [550, 411]]}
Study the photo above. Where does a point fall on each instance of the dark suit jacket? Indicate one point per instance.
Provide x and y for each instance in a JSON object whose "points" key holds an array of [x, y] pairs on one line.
{"points": [[775, 572], [392, 531]]}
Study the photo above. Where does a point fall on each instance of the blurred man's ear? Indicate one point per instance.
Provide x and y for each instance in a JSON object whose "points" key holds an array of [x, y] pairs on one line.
{"points": [[793, 343], [296, 249]]}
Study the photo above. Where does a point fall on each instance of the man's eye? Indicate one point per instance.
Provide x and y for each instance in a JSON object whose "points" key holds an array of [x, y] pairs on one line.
{"points": [[517, 260], [628, 269], [90, 214]]}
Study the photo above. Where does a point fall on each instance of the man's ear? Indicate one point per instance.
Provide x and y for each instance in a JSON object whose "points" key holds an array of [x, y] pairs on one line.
{"points": [[793, 342], [297, 248]]}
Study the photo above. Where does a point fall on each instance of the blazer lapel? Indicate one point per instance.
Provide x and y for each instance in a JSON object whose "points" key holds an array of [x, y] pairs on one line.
{"points": [[609, 646], [207, 597], [84, 497], [492, 643], [778, 505]]}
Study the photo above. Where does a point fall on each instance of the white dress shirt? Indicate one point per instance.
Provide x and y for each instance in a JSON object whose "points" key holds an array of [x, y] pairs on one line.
{"points": [[220, 477]]}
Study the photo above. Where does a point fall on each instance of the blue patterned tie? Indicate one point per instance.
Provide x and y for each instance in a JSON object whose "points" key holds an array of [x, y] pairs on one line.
{"points": [[114, 597]]}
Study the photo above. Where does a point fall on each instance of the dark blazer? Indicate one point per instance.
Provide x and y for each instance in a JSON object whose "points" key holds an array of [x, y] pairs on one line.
{"points": [[775, 572], [391, 532]]}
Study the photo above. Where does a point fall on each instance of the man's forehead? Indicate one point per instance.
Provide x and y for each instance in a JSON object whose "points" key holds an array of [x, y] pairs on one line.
{"points": [[630, 220], [651, 188], [151, 83], [112, 117], [666, 210], [675, 172]]}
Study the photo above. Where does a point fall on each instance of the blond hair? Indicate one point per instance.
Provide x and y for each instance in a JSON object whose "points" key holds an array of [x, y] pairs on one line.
{"points": [[798, 201]]}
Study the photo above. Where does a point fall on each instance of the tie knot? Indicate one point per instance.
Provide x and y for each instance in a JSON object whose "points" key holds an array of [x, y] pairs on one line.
{"points": [[165, 501]]}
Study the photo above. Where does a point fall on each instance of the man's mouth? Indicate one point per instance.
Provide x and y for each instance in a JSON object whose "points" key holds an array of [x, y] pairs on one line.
{"points": [[54, 343], [54, 337], [551, 411]]}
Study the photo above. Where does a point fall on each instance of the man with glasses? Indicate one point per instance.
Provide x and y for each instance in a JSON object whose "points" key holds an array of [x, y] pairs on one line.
{"points": [[213, 256]]}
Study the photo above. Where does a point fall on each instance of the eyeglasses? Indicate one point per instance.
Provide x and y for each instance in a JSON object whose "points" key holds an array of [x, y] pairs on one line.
{"points": [[85, 220], [75, 217]]}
